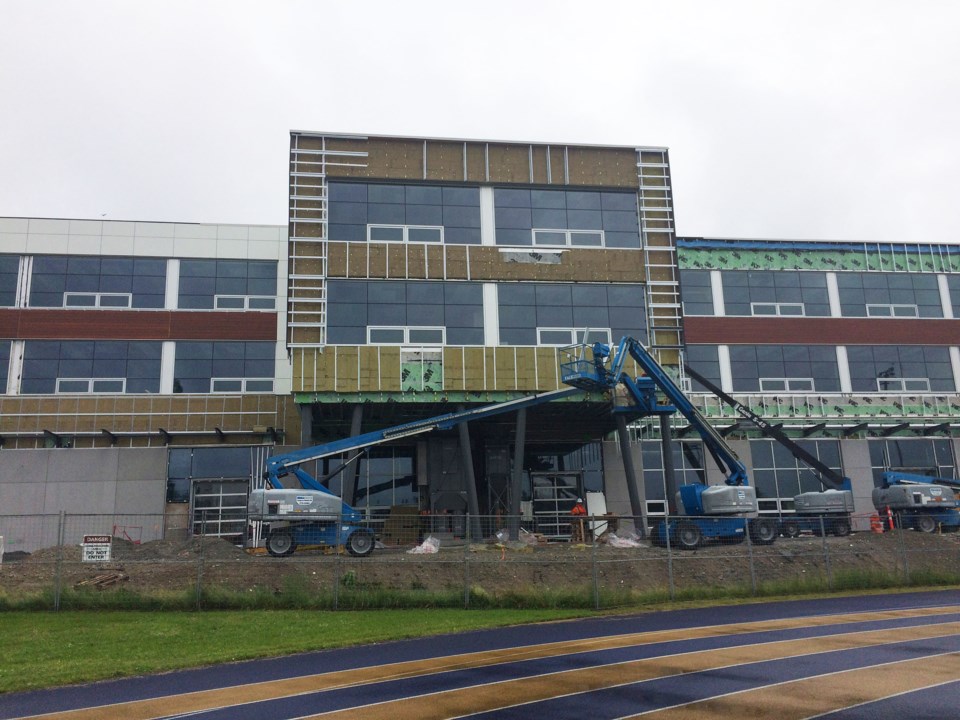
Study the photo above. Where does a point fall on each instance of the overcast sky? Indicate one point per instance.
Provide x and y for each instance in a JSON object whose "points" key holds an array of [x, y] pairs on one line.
{"points": [[784, 119]]}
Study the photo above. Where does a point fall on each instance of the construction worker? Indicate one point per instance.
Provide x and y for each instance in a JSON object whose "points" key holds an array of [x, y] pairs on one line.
{"points": [[579, 513]]}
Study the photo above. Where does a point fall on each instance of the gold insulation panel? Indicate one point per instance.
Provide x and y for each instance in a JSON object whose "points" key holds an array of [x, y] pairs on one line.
{"points": [[24, 419], [365, 369]]}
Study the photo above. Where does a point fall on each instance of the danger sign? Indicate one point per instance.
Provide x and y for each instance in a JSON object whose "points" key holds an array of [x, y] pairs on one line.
{"points": [[96, 548]]}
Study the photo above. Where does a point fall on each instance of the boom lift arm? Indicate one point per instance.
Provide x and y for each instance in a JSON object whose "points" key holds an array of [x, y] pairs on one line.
{"points": [[279, 466], [596, 375], [829, 478]]}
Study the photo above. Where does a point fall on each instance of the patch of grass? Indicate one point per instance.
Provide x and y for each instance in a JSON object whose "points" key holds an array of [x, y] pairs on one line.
{"points": [[49, 649]]}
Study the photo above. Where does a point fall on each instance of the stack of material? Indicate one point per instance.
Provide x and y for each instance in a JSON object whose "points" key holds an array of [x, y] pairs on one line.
{"points": [[402, 526]]}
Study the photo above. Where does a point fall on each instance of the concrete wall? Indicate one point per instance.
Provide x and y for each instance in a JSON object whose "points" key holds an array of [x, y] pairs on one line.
{"points": [[111, 486]]}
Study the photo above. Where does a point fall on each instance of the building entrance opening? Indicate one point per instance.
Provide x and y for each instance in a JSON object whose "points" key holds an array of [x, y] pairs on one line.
{"points": [[554, 495]]}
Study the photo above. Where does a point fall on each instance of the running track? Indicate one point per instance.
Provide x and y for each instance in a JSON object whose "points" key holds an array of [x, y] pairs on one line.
{"points": [[892, 656]]}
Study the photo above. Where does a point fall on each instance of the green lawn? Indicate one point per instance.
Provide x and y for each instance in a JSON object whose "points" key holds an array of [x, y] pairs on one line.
{"points": [[49, 649]]}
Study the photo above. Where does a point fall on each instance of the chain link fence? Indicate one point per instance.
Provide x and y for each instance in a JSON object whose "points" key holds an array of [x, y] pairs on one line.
{"points": [[408, 559]]}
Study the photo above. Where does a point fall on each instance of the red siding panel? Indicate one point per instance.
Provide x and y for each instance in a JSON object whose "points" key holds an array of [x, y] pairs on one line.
{"points": [[54, 324], [819, 331]]}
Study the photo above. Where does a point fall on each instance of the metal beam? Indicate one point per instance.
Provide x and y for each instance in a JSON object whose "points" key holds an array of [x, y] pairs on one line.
{"points": [[165, 435], [853, 430], [113, 438], [516, 482], [887, 432], [466, 459], [942, 427], [729, 429], [636, 505], [808, 431]]}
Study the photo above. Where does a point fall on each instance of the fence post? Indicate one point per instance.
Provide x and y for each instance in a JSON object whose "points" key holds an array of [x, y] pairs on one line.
{"points": [[753, 569], [903, 548], [826, 554], [466, 561], [336, 562], [59, 567], [596, 576], [666, 533], [203, 532]]}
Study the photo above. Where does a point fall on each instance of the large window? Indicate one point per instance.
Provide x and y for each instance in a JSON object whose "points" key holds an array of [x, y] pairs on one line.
{"points": [[9, 271], [394, 312], [784, 368], [404, 213], [224, 367], [900, 368], [705, 360], [4, 364], [781, 292], [779, 476], [90, 366], [687, 464], [697, 292], [228, 284], [97, 282], [579, 218], [920, 456], [559, 313], [902, 295], [384, 477]]}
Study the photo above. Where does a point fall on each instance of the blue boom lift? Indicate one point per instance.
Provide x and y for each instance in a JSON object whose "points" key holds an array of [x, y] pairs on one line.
{"points": [[309, 514], [815, 512], [918, 501], [720, 512]]}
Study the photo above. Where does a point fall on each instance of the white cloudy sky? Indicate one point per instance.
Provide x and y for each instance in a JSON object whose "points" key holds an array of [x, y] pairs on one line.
{"points": [[785, 119]]}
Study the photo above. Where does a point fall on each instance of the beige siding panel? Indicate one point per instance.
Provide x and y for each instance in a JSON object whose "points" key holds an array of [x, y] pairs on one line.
{"points": [[540, 164], [357, 259], [397, 260], [390, 369], [435, 261], [378, 260], [505, 368], [337, 259], [548, 375], [526, 368], [476, 162], [347, 377], [389, 158], [453, 368], [369, 369], [557, 176], [445, 161], [607, 167], [509, 163], [308, 142], [416, 263], [456, 262], [475, 369]]}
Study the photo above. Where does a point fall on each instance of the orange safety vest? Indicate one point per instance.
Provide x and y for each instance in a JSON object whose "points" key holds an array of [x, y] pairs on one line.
{"points": [[578, 509]]}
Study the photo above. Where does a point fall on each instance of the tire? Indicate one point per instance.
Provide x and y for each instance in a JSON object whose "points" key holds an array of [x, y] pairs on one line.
{"points": [[360, 543], [790, 528], [657, 537], [688, 536], [763, 531], [926, 524], [280, 543], [840, 527]]}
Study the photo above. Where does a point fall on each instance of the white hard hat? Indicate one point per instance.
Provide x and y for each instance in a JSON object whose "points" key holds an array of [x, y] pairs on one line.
{"points": [[579, 499]]}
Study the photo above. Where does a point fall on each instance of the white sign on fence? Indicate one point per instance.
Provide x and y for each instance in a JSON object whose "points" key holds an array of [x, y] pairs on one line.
{"points": [[96, 548]]}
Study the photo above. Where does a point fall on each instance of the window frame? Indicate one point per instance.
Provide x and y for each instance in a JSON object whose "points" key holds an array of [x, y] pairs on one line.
{"points": [[892, 307], [778, 306], [91, 385], [96, 302], [568, 237], [787, 382], [577, 335], [406, 233], [243, 385], [406, 335], [903, 385], [246, 303]]}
